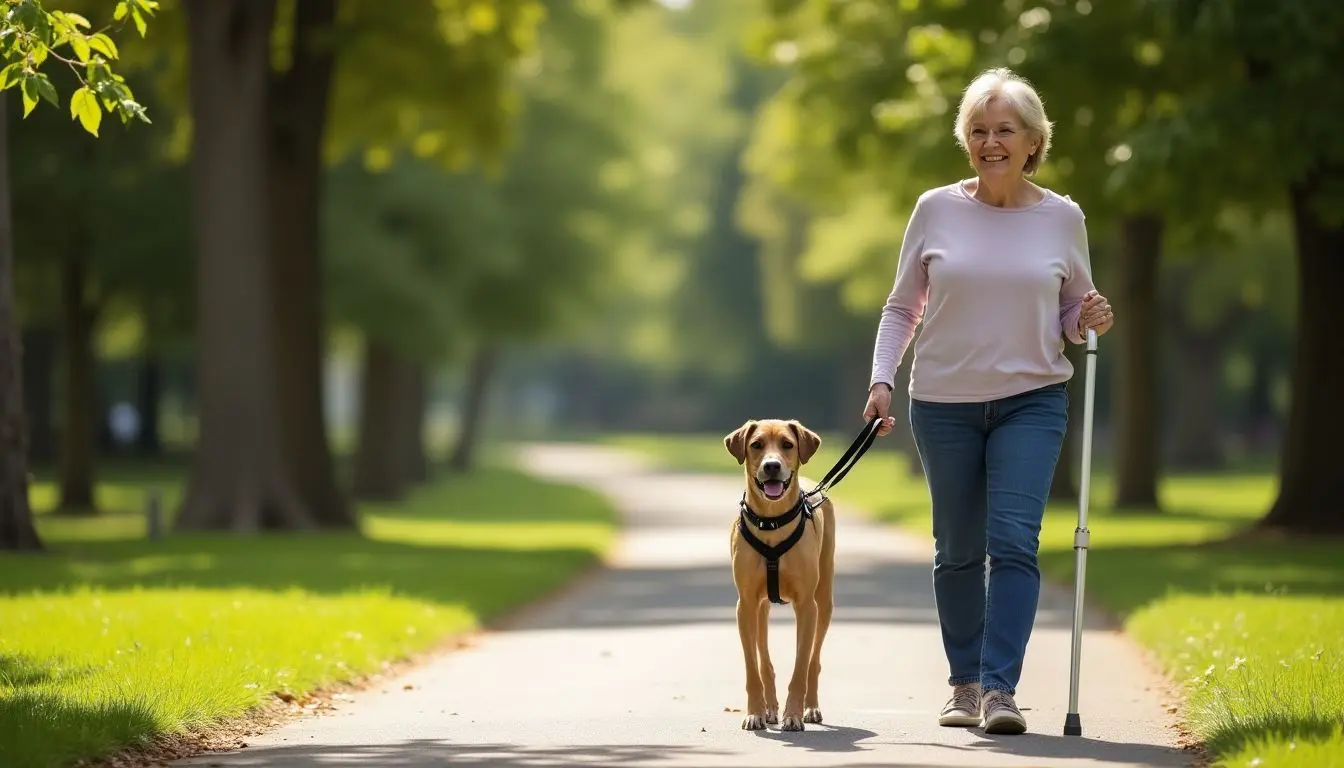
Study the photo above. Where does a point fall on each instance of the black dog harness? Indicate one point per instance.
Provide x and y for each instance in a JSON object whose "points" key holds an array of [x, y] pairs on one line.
{"points": [[803, 510]]}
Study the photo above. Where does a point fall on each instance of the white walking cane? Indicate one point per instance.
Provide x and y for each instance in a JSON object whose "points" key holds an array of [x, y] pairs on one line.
{"points": [[1073, 724]]}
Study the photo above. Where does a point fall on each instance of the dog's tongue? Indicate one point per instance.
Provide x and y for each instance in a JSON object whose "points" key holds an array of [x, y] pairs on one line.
{"points": [[773, 488]]}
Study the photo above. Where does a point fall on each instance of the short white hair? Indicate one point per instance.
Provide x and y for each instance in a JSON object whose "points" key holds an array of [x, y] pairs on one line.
{"points": [[1014, 89]]}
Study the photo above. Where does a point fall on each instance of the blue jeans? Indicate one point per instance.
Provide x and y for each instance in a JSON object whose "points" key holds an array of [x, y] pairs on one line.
{"points": [[989, 468]]}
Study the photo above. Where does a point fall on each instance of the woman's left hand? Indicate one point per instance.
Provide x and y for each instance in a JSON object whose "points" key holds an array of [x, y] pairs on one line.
{"points": [[1096, 314]]}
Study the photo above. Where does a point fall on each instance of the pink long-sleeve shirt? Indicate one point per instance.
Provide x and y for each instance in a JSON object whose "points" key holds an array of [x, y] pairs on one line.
{"points": [[997, 290]]}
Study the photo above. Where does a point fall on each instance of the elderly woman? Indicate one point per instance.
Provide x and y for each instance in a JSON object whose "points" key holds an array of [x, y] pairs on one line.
{"points": [[998, 270]]}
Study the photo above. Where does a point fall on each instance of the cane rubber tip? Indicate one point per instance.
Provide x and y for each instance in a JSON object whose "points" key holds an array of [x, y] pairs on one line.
{"points": [[1073, 725]]}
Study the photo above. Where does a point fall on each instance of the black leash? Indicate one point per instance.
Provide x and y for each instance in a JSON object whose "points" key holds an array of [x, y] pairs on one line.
{"points": [[804, 508], [851, 457]]}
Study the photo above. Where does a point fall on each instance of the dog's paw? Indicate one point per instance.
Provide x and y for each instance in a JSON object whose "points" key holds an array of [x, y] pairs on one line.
{"points": [[753, 723], [791, 723], [812, 715], [772, 715]]}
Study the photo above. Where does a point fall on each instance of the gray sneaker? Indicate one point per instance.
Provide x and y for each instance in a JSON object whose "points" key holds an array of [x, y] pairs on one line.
{"points": [[963, 709], [1001, 713]]}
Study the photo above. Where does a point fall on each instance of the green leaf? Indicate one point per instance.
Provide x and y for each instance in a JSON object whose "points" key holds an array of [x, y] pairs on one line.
{"points": [[77, 20], [10, 75], [80, 46], [104, 45], [120, 12], [43, 28], [84, 105], [96, 71], [46, 90], [139, 20], [27, 16], [29, 94]]}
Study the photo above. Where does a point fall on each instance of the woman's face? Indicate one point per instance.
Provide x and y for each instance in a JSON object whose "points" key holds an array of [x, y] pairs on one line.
{"points": [[998, 143]]}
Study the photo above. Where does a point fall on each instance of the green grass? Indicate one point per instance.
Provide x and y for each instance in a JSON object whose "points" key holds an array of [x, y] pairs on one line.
{"points": [[110, 639], [1252, 627], [1262, 672]]}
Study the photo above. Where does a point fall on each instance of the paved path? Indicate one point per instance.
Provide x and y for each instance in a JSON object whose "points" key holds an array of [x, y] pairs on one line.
{"points": [[641, 666]]}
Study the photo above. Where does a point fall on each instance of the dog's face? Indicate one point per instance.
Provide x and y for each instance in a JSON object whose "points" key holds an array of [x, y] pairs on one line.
{"points": [[771, 451]]}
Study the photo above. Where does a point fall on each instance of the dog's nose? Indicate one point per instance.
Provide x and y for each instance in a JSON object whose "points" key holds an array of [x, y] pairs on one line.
{"points": [[771, 466]]}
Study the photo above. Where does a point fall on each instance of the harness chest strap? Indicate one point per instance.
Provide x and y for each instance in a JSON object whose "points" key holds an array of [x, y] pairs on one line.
{"points": [[772, 554]]}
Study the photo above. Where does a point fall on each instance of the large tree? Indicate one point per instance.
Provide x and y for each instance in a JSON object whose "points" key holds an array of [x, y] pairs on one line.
{"points": [[405, 242], [31, 36], [297, 98], [239, 480], [1282, 92], [455, 278], [336, 88], [1220, 283], [100, 232], [334, 64], [16, 518]]}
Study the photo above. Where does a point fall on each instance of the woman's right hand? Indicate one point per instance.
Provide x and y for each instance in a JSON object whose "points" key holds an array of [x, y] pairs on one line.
{"points": [[879, 401]]}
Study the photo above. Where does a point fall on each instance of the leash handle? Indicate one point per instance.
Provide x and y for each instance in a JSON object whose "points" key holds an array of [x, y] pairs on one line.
{"points": [[856, 449]]}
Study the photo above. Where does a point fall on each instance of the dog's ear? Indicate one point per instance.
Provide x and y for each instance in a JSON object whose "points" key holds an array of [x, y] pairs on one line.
{"points": [[736, 441], [808, 441]]}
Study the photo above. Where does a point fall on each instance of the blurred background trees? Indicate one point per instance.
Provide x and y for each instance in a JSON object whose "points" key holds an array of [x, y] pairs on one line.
{"points": [[360, 241]]}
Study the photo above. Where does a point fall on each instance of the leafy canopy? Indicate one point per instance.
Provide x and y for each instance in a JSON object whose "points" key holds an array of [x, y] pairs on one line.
{"points": [[30, 35]]}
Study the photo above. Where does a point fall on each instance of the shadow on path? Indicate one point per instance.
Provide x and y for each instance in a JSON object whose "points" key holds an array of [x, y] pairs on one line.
{"points": [[436, 752], [891, 593], [1052, 747]]}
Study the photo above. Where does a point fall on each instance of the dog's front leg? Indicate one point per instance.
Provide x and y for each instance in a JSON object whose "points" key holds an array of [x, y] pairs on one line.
{"points": [[805, 613], [825, 609], [748, 620], [766, 666]]}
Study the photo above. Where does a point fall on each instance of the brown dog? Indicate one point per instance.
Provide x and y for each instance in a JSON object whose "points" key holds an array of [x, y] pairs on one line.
{"points": [[772, 452]]}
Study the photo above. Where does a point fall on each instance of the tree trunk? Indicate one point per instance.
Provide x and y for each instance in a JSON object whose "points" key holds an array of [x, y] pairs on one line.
{"points": [[39, 387], [16, 517], [479, 371], [297, 113], [1064, 485], [239, 481], [413, 403], [380, 460], [79, 426], [1136, 416], [1310, 483], [148, 394], [1261, 420], [1197, 442]]}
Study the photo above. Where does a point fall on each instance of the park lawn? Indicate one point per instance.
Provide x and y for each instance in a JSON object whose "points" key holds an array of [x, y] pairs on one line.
{"points": [[110, 639], [1252, 629]]}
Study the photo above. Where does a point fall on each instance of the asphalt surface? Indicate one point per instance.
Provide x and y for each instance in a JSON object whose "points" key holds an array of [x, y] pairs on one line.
{"points": [[640, 664]]}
